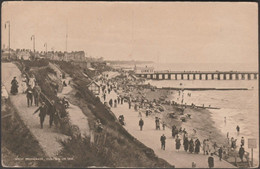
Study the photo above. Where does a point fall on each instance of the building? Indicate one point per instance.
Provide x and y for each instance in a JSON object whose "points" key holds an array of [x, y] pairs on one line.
{"points": [[132, 77], [144, 70], [94, 87], [23, 54]]}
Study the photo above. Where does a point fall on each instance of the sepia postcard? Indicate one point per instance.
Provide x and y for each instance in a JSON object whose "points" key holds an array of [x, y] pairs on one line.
{"points": [[129, 84]]}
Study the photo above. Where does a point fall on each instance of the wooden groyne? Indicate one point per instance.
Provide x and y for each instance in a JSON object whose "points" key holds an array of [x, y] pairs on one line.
{"points": [[179, 88]]}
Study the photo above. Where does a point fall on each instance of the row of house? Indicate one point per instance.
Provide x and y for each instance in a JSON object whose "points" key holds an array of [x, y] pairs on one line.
{"points": [[27, 54]]}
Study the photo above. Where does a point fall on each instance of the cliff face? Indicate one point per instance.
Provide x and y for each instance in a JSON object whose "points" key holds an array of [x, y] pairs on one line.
{"points": [[114, 146]]}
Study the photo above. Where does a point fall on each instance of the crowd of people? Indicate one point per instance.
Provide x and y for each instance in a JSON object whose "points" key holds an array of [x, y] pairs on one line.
{"points": [[190, 144], [32, 90]]}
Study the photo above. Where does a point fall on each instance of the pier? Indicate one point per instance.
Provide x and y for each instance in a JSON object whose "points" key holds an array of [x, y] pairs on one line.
{"points": [[199, 75]]}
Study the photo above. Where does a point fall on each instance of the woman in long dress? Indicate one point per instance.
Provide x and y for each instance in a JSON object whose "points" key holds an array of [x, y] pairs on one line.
{"points": [[178, 143], [24, 83], [191, 146]]}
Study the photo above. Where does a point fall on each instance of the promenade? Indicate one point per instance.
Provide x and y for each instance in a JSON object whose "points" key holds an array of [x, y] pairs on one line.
{"points": [[151, 138]]}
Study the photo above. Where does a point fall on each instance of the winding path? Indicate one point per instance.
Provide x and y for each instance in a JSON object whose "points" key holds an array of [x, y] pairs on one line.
{"points": [[47, 137]]}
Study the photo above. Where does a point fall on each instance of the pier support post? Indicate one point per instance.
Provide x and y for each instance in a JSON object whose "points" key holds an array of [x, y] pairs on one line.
{"points": [[206, 77], [243, 76], [181, 76], [151, 76], [200, 76], [230, 76], [157, 76], [212, 76], [255, 76], [237, 77], [163, 76], [194, 76], [169, 76], [224, 76], [145, 75], [176, 76], [248, 76], [188, 76], [218, 76]]}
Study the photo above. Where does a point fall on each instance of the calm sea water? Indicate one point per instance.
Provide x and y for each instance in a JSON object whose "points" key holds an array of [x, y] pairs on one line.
{"points": [[240, 107]]}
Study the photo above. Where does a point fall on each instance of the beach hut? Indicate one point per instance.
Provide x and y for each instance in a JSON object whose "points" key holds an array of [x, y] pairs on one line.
{"points": [[132, 77], [94, 87]]}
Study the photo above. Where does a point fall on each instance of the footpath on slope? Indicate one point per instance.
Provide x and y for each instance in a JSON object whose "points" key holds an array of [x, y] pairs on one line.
{"points": [[77, 117], [47, 137], [151, 138]]}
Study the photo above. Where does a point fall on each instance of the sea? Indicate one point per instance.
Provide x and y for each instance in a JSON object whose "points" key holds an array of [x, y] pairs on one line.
{"points": [[240, 107]]}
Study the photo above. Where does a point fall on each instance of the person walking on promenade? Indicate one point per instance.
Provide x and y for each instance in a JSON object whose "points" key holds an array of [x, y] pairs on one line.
{"points": [[197, 146], [241, 152], [163, 141], [178, 143], [135, 107], [122, 100], [211, 161], [238, 129], [52, 111], [163, 125], [14, 86], [24, 83], [157, 123], [129, 104], [111, 103], [141, 123], [220, 151], [207, 147], [147, 112], [173, 131], [32, 81], [242, 141], [186, 144], [104, 96], [191, 146], [36, 94], [42, 114], [204, 146], [29, 95], [118, 99]]}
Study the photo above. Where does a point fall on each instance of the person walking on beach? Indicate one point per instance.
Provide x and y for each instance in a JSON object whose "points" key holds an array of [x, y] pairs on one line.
{"points": [[241, 152], [197, 146], [141, 123], [122, 100], [29, 95], [211, 161], [178, 143], [163, 141], [191, 146], [186, 144], [207, 146], [238, 129], [42, 114], [220, 151]]}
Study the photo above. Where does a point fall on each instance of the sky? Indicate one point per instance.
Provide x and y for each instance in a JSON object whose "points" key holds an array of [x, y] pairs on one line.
{"points": [[168, 32]]}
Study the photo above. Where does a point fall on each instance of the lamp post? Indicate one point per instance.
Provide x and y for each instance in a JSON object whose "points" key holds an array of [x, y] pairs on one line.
{"points": [[33, 39], [8, 22], [45, 45]]}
